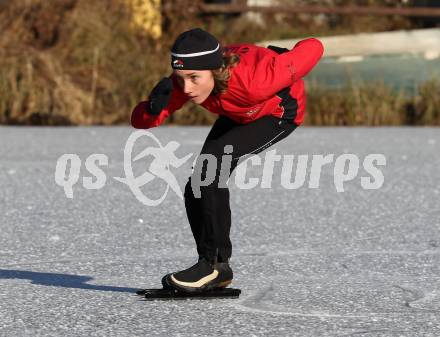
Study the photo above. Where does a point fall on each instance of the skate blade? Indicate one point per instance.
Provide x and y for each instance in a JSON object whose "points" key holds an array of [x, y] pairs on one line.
{"points": [[142, 292], [167, 294]]}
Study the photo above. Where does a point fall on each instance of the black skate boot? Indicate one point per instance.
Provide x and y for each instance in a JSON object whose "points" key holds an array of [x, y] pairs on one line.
{"points": [[204, 275]]}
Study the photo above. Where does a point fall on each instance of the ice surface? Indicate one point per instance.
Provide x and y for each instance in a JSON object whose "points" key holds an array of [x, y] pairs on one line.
{"points": [[309, 262]]}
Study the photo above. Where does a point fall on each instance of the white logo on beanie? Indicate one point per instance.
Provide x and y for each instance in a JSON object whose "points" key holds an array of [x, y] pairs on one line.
{"points": [[178, 63]]}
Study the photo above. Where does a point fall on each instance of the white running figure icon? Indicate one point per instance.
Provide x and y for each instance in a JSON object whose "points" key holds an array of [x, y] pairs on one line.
{"points": [[164, 157]]}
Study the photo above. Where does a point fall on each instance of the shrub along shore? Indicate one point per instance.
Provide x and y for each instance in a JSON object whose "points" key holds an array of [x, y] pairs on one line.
{"points": [[75, 62]]}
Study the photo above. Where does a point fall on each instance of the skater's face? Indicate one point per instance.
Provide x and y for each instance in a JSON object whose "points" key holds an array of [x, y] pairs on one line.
{"points": [[197, 84]]}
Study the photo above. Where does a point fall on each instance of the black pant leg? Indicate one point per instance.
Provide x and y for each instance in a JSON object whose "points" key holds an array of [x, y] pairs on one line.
{"points": [[193, 205], [212, 228]]}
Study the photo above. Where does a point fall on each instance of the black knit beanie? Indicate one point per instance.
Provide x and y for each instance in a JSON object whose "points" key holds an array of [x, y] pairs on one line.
{"points": [[196, 49]]}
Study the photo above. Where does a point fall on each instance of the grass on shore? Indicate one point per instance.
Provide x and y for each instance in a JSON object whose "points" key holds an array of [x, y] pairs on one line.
{"points": [[79, 62]]}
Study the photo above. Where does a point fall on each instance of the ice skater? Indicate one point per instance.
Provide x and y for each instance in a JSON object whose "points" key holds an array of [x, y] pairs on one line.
{"points": [[259, 96]]}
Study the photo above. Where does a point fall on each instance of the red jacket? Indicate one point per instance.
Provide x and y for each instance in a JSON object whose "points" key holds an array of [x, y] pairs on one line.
{"points": [[263, 83]]}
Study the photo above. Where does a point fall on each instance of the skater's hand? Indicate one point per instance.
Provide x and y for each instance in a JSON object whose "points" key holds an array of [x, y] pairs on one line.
{"points": [[160, 96]]}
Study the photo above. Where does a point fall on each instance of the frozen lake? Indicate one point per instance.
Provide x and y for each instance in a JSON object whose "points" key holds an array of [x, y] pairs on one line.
{"points": [[309, 262]]}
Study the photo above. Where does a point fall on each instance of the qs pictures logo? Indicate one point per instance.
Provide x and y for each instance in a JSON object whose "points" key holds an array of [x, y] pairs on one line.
{"points": [[345, 168]]}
